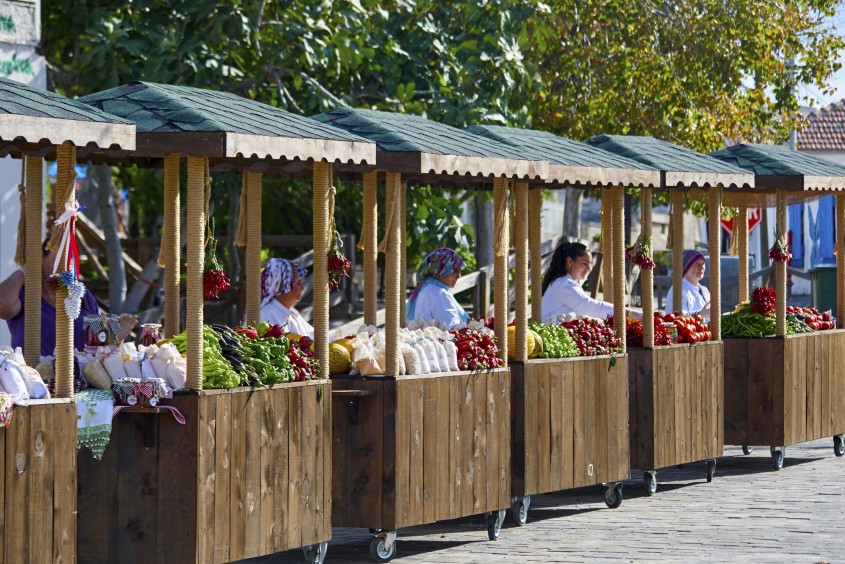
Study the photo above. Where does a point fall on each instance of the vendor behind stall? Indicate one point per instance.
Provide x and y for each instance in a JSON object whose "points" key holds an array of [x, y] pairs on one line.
{"points": [[695, 298], [11, 309], [281, 290], [562, 291], [432, 299]]}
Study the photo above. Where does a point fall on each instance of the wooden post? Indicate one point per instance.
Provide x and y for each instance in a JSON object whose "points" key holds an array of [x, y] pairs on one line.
{"points": [[840, 258], [521, 278], [780, 267], [715, 213], [369, 243], [742, 250], [66, 164], [392, 264], [535, 206], [322, 189], [677, 199], [171, 245], [618, 253], [500, 264], [253, 247], [34, 259], [195, 245], [646, 274], [403, 251]]}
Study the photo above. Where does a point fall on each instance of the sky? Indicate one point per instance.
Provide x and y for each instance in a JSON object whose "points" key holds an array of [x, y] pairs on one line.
{"points": [[838, 79]]}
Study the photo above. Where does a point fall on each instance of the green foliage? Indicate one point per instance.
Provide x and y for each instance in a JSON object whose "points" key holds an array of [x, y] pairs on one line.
{"points": [[435, 221]]}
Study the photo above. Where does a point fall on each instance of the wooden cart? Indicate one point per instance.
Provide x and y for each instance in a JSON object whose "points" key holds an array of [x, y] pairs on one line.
{"points": [[676, 396], [248, 474], [785, 389]]}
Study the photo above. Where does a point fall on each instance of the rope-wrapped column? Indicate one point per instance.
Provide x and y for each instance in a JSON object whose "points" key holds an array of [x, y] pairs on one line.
{"points": [[780, 268], [392, 264], [606, 242], [403, 251], [840, 259], [715, 213], [618, 254], [676, 197], [171, 245], [322, 194], [647, 274], [500, 264], [369, 242], [253, 247], [66, 163], [535, 206], [33, 256], [195, 245], [521, 280], [742, 250]]}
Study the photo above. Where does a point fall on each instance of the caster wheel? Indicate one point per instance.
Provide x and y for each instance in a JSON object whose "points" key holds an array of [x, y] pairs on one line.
{"points": [[838, 445], [747, 449], [316, 553], [650, 483], [494, 524], [520, 510], [613, 496], [777, 457], [375, 532], [710, 469], [379, 552]]}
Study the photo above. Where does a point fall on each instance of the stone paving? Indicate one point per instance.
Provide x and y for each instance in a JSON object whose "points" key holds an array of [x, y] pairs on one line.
{"points": [[749, 513]]}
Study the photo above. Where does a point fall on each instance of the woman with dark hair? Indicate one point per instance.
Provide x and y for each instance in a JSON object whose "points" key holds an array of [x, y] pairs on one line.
{"points": [[562, 291]]}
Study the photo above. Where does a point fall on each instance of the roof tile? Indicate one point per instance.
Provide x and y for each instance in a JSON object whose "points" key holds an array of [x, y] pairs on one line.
{"points": [[826, 129]]}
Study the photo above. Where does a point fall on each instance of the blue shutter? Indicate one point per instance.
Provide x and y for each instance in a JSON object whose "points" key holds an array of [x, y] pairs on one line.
{"points": [[827, 230], [796, 229]]}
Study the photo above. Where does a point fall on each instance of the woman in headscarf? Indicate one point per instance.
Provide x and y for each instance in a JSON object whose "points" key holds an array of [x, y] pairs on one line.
{"points": [[281, 290], [694, 296], [432, 298]]}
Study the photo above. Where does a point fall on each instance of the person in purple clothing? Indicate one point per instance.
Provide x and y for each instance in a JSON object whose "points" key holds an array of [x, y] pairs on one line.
{"points": [[12, 299]]}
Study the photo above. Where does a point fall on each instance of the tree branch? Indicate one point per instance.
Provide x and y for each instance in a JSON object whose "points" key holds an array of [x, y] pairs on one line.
{"points": [[313, 82]]}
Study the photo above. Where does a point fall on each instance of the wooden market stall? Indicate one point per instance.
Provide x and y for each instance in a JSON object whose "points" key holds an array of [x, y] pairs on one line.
{"points": [[417, 449], [788, 388], [676, 396], [38, 473], [249, 472], [569, 415]]}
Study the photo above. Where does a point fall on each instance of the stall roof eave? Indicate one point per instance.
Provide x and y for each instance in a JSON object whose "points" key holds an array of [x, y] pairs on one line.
{"points": [[564, 175], [675, 179], [223, 126]]}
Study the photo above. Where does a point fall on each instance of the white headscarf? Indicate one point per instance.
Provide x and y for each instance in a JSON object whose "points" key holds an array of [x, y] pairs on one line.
{"points": [[278, 277]]}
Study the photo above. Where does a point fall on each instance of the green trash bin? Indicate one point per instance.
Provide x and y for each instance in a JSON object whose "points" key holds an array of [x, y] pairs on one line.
{"points": [[824, 288]]}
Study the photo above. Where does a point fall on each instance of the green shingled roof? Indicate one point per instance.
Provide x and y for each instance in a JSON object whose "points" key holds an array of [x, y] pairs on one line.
{"points": [[778, 161], [575, 162], [19, 99], [681, 166], [164, 108]]}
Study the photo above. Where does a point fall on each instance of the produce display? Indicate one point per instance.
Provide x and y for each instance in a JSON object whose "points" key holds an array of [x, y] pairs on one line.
{"points": [[593, 336], [477, 350], [756, 318], [555, 341], [634, 331], [691, 328]]}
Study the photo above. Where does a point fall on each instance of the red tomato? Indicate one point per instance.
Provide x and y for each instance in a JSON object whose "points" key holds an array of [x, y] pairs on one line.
{"points": [[693, 338]]}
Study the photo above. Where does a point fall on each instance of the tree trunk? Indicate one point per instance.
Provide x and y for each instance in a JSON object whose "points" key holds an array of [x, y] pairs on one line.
{"points": [[114, 251], [572, 214], [483, 229]]}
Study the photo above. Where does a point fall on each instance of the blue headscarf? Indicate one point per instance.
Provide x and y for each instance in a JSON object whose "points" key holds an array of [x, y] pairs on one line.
{"points": [[436, 264]]}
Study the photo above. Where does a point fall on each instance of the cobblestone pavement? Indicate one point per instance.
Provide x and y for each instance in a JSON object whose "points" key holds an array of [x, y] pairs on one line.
{"points": [[749, 513]]}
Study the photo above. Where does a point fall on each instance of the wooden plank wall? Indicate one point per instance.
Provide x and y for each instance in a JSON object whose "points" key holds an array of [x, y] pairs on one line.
{"points": [[569, 423], [38, 483], [782, 391], [246, 476], [676, 406], [420, 449]]}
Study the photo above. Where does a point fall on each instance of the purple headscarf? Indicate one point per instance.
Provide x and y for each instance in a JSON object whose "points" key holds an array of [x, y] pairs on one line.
{"points": [[690, 256], [278, 277]]}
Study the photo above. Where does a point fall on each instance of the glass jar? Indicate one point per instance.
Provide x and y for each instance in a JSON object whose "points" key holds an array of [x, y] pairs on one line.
{"points": [[150, 333]]}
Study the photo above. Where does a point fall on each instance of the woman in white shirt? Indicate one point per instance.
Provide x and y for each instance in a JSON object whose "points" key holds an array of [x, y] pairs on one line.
{"points": [[432, 299], [281, 289], [694, 296], [562, 291]]}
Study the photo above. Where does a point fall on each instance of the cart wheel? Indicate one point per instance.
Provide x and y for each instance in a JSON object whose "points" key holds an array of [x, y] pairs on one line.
{"points": [[777, 457], [710, 468], [380, 552], [520, 510], [494, 523], [315, 553], [838, 445], [747, 449], [650, 482], [613, 495], [375, 532]]}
